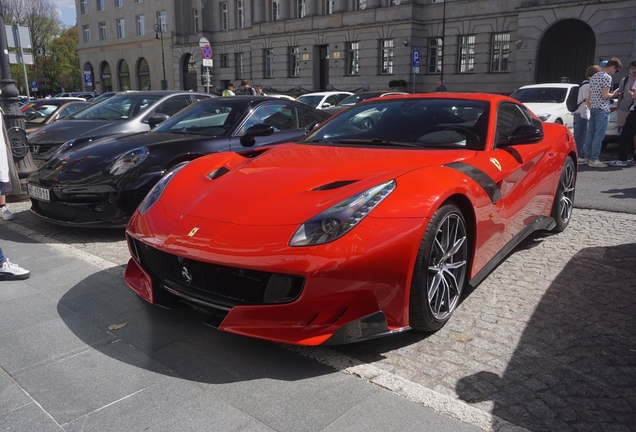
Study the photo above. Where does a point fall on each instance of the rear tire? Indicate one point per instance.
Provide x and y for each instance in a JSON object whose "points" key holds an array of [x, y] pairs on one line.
{"points": [[564, 197], [440, 270]]}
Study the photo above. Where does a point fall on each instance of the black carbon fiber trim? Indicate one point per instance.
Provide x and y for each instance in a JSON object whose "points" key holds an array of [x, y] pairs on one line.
{"points": [[480, 177]]}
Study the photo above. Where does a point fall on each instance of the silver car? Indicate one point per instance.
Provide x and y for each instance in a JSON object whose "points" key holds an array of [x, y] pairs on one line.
{"points": [[123, 113]]}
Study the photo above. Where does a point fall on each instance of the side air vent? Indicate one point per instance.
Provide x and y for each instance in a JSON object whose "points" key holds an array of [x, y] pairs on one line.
{"points": [[218, 173], [334, 185]]}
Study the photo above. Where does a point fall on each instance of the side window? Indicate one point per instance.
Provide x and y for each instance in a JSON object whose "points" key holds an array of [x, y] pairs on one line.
{"points": [[70, 109], [199, 97], [332, 100], [509, 116], [282, 117], [174, 105], [306, 117]]}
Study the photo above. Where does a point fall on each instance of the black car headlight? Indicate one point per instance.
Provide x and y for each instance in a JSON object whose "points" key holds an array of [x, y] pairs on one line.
{"points": [[129, 160], [156, 191], [338, 220]]}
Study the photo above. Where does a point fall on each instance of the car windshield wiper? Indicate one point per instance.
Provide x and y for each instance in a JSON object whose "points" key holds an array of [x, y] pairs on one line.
{"points": [[376, 141]]}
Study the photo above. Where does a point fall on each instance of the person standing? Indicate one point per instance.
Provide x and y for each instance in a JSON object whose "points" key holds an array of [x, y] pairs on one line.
{"points": [[624, 102], [582, 114], [247, 89], [229, 91], [440, 86], [627, 140], [259, 90], [600, 95]]}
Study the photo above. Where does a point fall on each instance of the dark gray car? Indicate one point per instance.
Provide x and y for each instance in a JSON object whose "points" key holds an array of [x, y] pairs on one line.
{"points": [[120, 114]]}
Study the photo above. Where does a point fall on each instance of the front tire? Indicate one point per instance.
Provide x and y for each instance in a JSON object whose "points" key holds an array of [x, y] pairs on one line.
{"points": [[440, 270], [564, 197]]}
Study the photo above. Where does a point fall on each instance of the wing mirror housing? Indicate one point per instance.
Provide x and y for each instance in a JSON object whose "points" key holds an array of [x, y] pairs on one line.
{"points": [[524, 134], [248, 140], [157, 118], [311, 126]]}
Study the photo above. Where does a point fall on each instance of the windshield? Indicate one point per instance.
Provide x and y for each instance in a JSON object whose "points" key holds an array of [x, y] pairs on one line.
{"points": [[540, 95], [39, 113], [442, 123], [214, 117], [120, 107]]}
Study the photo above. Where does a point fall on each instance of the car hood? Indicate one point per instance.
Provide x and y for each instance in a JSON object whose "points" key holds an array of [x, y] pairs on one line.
{"points": [[96, 156], [63, 130], [289, 183]]}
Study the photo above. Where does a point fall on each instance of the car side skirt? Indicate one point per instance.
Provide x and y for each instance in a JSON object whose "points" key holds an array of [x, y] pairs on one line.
{"points": [[542, 223]]}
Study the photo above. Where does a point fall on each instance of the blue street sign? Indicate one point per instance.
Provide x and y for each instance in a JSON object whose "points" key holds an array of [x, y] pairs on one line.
{"points": [[416, 58], [34, 84], [88, 78]]}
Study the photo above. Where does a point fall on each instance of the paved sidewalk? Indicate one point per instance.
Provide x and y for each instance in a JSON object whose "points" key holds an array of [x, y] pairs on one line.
{"points": [[80, 351]]}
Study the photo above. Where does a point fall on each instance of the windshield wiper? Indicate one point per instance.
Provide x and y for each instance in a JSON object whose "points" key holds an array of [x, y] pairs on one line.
{"points": [[376, 141]]}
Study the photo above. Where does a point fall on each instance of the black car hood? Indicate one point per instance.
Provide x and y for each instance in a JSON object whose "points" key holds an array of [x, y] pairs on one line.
{"points": [[64, 130]]}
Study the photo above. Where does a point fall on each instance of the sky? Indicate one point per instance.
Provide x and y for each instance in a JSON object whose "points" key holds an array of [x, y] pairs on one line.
{"points": [[67, 11]]}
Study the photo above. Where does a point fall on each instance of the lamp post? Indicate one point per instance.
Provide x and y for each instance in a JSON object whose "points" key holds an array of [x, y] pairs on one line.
{"points": [[159, 35]]}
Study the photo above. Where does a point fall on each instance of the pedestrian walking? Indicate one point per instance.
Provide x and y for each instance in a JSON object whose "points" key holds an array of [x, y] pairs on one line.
{"points": [[247, 89], [229, 91], [440, 86], [582, 114], [9, 182], [259, 90], [600, 95]]}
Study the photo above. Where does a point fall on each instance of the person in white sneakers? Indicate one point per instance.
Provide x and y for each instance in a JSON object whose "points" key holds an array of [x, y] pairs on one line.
{"points": [[4, 210], [10, 271]]}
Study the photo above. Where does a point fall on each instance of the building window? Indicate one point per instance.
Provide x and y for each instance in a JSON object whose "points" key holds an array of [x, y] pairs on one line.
{"points": [[83, 7], [225, 61], [119, 3], [195, 19], [361, 4], [100, 5], [499, 51], [240, 65], [353, 58], [268, 55], [275, 10], [294, 61], [102, 31], [386, 56], [141, 25], [240, 18], [223, 16], [434, 55], [121, 30], [161, 20], [394, 2], [329, 7], [466, 54], [301, 9], [87, 33], [139, 1]]}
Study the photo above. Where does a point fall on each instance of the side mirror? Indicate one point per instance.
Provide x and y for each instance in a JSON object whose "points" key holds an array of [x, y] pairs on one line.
{"points": [[157, 118], [260, 129], [524, 134], [311, 126], [326, 105]]}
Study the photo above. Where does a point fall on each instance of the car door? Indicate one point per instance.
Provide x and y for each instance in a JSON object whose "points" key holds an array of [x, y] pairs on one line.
{"points": [[289, 122]]}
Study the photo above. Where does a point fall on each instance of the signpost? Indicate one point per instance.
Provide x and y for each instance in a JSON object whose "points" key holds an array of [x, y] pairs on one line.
{"points": [[415, 56], [206, 55]]}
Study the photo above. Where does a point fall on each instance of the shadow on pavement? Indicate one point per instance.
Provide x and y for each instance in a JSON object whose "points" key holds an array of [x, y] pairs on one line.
{"points": [[575, 365]]}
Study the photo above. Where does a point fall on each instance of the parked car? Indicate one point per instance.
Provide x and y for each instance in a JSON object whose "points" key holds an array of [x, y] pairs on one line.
{"points": [[122, 113], [101, 183], [348, 234], [103, 96], [322, 100], [547, 101], [45, 111], [85, 95], [357, 98]]}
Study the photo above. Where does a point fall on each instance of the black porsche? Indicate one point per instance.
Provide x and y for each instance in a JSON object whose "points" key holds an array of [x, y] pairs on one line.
{"points": [[100, 183]]}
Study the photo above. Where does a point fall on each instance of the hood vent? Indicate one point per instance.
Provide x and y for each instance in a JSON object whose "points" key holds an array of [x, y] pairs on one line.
{"points": [[218, 173], [334, 185]]}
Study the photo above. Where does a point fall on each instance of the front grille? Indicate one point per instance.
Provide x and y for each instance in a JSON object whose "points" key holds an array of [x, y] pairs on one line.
{"points": [[211, 284]]}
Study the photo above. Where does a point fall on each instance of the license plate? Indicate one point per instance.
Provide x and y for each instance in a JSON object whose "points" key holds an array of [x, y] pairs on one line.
{"points": [[38, 193]]}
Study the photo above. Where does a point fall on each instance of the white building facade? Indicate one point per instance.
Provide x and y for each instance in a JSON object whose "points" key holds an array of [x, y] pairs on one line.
{"points": [[295, 46]]}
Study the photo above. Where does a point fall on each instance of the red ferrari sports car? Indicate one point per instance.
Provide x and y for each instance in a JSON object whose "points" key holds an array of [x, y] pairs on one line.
{"points": [[372, 224]]}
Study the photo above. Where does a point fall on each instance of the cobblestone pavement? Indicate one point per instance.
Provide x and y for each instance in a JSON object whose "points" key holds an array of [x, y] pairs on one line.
{"points": [[547, 342]]}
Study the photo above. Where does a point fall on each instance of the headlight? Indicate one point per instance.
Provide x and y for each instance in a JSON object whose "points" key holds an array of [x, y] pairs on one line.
{"points": [[64, 147], [155, 193], [341, 218], [544, 117], [129, 160]]}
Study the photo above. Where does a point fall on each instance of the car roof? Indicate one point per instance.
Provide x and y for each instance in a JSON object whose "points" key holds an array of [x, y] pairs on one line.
{"points": [[553, 85], [325, 93]]}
